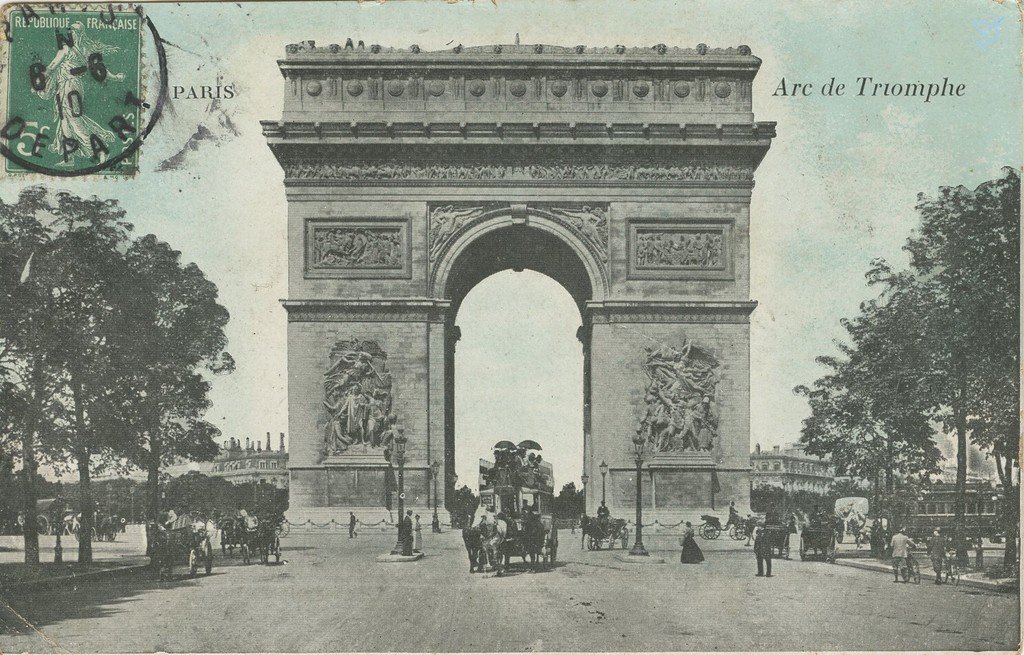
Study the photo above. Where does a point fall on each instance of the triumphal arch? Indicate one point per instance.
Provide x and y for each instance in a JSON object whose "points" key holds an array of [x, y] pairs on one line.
{"points": [[623, 173]]}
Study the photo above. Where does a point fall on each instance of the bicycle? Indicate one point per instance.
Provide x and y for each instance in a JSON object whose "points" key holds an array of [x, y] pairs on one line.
{"points": [[951, 569], [908, 568]]}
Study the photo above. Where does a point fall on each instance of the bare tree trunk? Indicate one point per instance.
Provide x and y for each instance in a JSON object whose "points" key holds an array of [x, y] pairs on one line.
{"points": [[1008, 510], [88, 507], [959, 534], [30, 530]]}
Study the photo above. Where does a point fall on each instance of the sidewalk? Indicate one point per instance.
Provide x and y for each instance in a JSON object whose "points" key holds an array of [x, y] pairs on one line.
{"points": [[126, 553], [976, 580]]}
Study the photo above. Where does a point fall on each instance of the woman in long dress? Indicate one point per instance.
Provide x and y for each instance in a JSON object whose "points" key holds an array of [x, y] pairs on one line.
{"points": [[692, 553], [417, 544]]}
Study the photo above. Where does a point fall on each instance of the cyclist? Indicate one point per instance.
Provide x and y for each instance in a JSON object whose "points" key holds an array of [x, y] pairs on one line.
{"points": [[900, 545]]}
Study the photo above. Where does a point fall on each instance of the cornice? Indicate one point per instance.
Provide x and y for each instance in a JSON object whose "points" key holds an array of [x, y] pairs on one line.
{"points": [[377, 310], [669, 311]]}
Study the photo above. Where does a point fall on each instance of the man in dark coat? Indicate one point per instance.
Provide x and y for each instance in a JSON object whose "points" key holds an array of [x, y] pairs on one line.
{"points": [[407, 533], [763, 552], [351, 525]]}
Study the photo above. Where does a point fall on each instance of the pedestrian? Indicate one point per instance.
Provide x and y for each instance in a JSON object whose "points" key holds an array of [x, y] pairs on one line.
{"points": [[417, 546], [900, 545], [691, 553], [791, 529], [435, 523], [763, 553], [352, 525], [937, 553], [748, 527], [406, 533]]}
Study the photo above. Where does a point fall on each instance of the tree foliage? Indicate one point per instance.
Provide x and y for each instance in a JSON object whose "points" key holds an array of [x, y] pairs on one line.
{"points": [[939, 344]]}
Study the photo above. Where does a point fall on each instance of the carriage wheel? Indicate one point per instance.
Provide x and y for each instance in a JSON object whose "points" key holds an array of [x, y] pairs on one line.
{"points": [[592, 543], [193, 562], [737, 534], [707, 531]]}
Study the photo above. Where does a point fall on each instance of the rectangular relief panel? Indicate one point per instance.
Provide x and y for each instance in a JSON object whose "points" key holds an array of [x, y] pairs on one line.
{"points": [[680, 249], [363, 248]]}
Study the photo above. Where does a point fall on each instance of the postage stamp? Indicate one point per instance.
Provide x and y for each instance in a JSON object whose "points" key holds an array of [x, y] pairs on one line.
{"points": [[73, 91]]}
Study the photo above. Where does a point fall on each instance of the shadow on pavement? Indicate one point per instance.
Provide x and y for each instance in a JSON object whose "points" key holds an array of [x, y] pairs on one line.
{"points": [[95, 597]]}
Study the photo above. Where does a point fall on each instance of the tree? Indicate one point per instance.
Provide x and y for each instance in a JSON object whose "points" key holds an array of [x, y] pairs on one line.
{"points": [[85, 266], [570, 502], [29, 373], [966, 260], [867, 414], [171, 338]]}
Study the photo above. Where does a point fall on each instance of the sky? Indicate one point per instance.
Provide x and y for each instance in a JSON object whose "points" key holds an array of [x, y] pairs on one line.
{"points": [[836, 189]]}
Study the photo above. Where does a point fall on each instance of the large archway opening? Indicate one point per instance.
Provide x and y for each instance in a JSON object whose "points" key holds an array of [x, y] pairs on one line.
{"points": [[519, 365]]}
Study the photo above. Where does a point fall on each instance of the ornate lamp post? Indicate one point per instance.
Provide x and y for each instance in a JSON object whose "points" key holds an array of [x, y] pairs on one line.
{"points": [[400, 441], [435, 468], [638, 456], [604, 476]]}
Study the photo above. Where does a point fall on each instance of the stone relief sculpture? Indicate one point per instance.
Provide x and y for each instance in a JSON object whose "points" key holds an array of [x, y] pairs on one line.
{"points": [[681, 400], [590, 222], [357, 398], [484, 171], [445, 222], [679, 249], [361, 247]]}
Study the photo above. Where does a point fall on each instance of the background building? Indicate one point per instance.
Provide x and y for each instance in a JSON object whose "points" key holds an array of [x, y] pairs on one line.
{"points": [[790, 468], [251, 462]]}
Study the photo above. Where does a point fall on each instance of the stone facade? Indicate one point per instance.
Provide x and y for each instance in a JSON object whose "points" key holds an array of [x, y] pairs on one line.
{"points": [[625, 174], [789, 467]]}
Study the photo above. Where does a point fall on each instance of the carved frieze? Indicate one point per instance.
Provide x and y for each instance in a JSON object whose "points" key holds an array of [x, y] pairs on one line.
{"points": [[680, 412], [680, 249], [363, 248], [676, 249], [358, 398], [483, 171]]}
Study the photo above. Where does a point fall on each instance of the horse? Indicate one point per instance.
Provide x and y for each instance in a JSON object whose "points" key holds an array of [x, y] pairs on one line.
{"points": [[471, 538], [492, 538], [229, 535], [534, 537]]}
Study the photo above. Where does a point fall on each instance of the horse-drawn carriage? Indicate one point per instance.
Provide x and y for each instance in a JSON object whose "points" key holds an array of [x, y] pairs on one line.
{"points": [[775, 535], [603, 532], [818, 540], [183, 541], [252, 536], [519, 490], [712, 528]]}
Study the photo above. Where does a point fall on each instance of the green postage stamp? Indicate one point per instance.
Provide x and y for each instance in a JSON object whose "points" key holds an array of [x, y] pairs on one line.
{"points": [[73, 86]]}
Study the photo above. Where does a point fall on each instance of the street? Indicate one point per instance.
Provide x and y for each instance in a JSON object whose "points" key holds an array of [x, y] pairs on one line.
{"points": [[331, 595]]}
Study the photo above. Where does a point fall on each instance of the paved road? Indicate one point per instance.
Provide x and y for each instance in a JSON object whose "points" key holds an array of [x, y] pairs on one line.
{"points": [[331, 595]]}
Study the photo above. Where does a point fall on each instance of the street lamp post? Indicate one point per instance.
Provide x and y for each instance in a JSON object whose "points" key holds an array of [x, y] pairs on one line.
{"points": [[604, 476], [400, 441], [584, 479], [638, 456], [435, 468], [58, 511]]}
